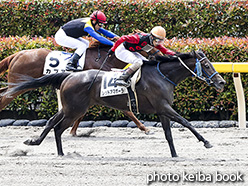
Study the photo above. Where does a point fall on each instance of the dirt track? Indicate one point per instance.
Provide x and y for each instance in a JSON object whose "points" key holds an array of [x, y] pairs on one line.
{"points": [[123, 156]]}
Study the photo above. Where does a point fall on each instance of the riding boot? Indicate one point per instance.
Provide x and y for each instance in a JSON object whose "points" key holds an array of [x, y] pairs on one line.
{"points": [[72, 64], [122, 79]]}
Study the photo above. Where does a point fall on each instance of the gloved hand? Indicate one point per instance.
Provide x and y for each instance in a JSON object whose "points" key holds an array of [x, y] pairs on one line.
{"points": [[110, 53], [115, 38]]}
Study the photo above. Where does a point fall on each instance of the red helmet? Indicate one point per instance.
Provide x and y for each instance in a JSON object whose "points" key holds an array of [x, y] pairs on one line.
{"points": [[98, 16]]}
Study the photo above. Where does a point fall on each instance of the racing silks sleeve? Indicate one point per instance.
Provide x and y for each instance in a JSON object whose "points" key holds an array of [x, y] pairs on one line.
{"points": [[98, 37], [107, 33]]}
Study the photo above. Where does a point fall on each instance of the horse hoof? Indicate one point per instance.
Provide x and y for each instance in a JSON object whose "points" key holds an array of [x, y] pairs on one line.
{"points": [[60, 154], [149, 132], [30, 142], [207, 145], [74, 135]]}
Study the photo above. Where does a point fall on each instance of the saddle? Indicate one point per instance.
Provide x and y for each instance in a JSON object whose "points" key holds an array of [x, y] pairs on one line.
{"points": [[132, 96]]}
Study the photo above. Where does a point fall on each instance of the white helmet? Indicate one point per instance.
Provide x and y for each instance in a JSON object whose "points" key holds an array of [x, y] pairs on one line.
{"points": [[158, 32]]}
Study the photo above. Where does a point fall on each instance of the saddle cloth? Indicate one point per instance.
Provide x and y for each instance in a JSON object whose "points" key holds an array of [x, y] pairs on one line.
{"points": [[108, 87], [56, 62]]}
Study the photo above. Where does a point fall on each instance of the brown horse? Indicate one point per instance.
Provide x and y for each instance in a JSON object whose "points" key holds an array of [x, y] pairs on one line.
{"points": [[158, 80], [31, 63]]}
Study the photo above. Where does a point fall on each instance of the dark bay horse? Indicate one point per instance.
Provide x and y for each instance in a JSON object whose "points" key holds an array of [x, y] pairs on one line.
{"points": [[31, 63], [154, 92]]}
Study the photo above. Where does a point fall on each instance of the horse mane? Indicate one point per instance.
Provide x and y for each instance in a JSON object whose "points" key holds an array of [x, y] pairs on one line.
{"points": [[167, 59], [183, 56], [96, 44]]}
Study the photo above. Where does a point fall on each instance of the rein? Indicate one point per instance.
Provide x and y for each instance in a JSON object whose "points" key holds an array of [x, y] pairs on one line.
{"points": [[98, 54], [153, 54], [164, 75], [198, 70]]}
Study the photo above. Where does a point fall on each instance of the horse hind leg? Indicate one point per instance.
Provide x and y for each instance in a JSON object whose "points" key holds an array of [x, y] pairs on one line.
{"points": [[3, 89], [58, 130], [6, 99], [137, 122], [57, 118], [127, 113], [73, 131], [69, 117]]}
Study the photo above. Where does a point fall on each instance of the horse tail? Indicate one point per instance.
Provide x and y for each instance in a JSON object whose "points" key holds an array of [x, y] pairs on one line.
{"points": [[4, 64], [27, 83]]}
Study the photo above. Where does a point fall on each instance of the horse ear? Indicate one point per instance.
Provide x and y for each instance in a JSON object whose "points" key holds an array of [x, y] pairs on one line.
{"points": [[193, 53]]}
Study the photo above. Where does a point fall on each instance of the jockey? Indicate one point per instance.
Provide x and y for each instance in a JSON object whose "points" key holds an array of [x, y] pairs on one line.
{"points": [[70, 35], [126, 49]]}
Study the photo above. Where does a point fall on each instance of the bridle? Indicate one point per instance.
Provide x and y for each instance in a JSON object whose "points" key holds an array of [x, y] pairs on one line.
{"points": [[198, 71]]}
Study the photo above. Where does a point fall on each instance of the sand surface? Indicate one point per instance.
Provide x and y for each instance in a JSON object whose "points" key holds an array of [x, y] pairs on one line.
{"points": [[124, 156]]}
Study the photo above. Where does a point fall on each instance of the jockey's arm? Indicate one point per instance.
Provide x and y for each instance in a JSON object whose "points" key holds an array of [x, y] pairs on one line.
{"points": [[165, 50], [98, 37], [107, 33], [129, 38]]}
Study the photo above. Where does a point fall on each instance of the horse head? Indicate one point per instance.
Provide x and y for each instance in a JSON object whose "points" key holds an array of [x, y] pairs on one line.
{"points": [[206, 71], [195, 63]]}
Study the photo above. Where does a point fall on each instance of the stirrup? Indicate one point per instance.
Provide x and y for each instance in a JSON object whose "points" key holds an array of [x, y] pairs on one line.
{"points": [[120, 82], [70, 67], [78, 69]]}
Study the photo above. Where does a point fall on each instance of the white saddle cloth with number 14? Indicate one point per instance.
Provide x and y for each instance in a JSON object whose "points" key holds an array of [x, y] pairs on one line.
{"points": [[109, 88]]}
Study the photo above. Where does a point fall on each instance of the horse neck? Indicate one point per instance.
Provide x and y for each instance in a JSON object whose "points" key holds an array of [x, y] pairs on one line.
{"points": [[175, 71]]}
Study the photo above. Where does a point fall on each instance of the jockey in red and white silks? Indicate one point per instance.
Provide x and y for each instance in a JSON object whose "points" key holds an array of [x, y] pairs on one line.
{"points": [[126, 49]]}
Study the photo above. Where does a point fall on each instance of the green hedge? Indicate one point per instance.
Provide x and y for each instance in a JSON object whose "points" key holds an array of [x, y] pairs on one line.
{"points": [[191, 96], [196, 19], [182, 19]]}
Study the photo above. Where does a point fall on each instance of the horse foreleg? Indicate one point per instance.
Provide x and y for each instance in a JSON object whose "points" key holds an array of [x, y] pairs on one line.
{"points": [[167, 131], [73, 131], [173, 115], [137, 122], [186, 124]]}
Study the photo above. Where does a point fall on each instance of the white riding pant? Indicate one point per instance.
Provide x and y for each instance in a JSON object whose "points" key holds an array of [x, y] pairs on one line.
{"points": [[79, 44], [135, 58]]}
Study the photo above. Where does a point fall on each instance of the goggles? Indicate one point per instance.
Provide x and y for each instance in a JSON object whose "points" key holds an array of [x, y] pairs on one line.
{"points": [[158, 40]]}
